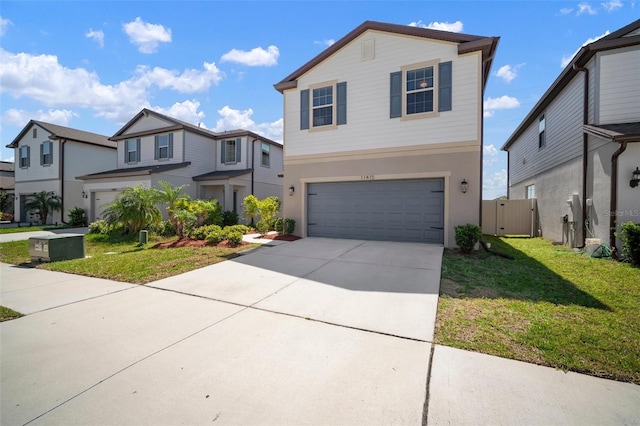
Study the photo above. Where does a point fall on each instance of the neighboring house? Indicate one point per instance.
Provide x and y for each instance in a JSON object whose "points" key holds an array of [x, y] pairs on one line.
{"points": [[153, 147], [7, 183], [577, 149], [48, 158], [380, 131]]}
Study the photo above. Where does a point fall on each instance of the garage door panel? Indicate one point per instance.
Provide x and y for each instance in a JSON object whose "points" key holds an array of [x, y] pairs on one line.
{"points": [[400, 210]]}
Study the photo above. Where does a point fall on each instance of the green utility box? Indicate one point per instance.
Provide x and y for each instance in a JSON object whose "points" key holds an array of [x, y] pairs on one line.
{"points": [[51, 248]]}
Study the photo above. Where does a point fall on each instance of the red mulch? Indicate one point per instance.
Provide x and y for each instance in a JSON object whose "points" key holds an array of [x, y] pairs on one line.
{"points": [[280, 237], [188, 242]]}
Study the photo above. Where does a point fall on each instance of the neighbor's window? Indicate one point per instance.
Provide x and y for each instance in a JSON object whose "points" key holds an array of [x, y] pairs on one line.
{"points": [[531, 191], [46, 153], [24, 157], [266, 150], [230, 151], [419, 90], [163, 146], [131, 147], [322, 106], [542, 140]]}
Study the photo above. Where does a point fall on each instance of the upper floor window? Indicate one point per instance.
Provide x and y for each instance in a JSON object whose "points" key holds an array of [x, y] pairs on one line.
{"points": [[46, 153], [266, 152], [531, 191], [132, 150], [164, 146], [421, 89], [542, 140], [230, 151], [323, 105], [24, 156]]}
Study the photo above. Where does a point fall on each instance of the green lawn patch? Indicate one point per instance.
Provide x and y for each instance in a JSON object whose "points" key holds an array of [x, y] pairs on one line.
{"points": [[550, 306], [121, 259], [16, 229], [7, 314]]}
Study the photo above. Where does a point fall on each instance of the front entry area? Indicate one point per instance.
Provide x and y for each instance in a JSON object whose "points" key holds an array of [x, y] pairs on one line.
{"points": [[384, 210]]}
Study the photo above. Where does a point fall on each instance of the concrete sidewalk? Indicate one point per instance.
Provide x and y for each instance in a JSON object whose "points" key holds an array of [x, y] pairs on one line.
{"points": [[18, 236]]}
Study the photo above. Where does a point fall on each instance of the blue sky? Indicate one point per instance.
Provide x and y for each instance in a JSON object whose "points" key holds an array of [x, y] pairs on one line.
{"points": [[94, 65]]}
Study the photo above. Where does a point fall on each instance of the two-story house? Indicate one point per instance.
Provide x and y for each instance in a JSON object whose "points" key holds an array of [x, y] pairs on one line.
{"points": [[383, 135], [578, 148], [48, 157], [7, 184], [153, 147]]}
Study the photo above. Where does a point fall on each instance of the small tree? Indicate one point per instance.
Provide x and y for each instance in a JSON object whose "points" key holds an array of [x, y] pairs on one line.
{"points": [[77, 217], [251, 207], [135, 209], [42, 203], [172, 196]]}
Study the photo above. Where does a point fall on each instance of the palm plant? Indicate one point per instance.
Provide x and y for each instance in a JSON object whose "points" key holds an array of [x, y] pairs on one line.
{"points": [[134, 209], [42, 203], [173, 196]]}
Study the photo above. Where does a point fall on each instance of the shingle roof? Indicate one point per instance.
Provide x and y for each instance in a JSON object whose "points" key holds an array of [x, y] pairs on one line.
{"points": [[629, 132], [222, 175], [7, 166], [62, 132], [134, 171]]}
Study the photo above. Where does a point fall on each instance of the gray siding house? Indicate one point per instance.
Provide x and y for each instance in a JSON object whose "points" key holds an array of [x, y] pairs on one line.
{"points": [[577, 149]]}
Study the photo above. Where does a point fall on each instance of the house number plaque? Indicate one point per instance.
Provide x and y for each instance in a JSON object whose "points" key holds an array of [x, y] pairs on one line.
{"points": [[367, 177]]}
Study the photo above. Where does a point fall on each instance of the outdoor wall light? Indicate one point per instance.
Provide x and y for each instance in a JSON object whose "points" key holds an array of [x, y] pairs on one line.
{"points": [[291, 190], [464, 186], [84, 195], [635, 178]]}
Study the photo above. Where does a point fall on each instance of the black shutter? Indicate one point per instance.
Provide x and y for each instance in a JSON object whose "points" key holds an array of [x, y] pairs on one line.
{"points": [[138, 153], [342, 102], [222, 157], [156, 147], [238, 150], [395, 83], [445, 85], [304, 109], [170, 145]]}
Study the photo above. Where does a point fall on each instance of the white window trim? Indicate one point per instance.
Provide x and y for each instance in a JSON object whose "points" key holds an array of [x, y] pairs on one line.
{"points": [[26, 157], [268, 152], [226, 151], [433, 64], [126, 148], [50, 145], [161, 147], [334, 106]]}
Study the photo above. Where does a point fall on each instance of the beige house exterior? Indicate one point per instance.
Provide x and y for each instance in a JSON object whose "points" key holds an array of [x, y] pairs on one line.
{"points": [[380, 131], [49, 157], [153, 147], [578, 148]]}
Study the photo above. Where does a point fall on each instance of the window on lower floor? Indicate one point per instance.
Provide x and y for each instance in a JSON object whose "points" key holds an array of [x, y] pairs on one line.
{"points": [[266, 152], [531, 191]]}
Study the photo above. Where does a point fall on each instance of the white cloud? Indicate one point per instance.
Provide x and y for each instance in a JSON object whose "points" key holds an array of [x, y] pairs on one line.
{"points": [[20, 118], [189, 81], [327, 42], [10, 159], [454, 27], [489, 150], [43, 79], [98, 36], [186, 111], [496, 181], [567, 58], [585, 8], [4, 24], [146, 36], [508, 73], [257, 57], [489, 156], [504, 102], [232, 119], [612, 6], [566, 10]]}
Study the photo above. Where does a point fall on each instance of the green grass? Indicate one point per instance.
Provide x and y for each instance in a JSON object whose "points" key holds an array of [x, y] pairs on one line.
{"points": [[16, 229], [121, 259], [7, 314], [549, 306]]}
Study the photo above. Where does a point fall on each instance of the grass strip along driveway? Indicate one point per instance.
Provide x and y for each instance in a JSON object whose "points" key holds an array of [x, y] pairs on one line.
{"points": [[121, 259], [549, 306]]}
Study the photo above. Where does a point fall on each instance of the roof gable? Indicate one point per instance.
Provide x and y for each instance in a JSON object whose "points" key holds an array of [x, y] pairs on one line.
{"points": [[64, 133], [466, 43]]}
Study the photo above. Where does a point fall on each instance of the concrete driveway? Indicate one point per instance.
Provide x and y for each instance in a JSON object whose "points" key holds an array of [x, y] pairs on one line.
{"points": [[311, 332]]}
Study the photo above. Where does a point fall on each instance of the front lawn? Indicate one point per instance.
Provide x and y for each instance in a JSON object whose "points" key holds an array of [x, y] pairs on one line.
{"points": [[121, 259], [7, 314], [549, 306], [16, 229]]}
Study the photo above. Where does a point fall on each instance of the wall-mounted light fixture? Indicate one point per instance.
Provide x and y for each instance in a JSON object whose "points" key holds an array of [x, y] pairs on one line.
{"points": [[464, 186], [291, 190], [635, 178], [84, 195]]}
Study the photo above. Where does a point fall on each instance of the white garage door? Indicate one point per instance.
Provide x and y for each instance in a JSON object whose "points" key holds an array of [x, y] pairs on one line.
{"points": [[100, 201], [391, 210]]}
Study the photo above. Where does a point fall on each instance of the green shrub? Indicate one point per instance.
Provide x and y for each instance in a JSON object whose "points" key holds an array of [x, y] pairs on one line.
{"points": [[278, 225], [229, 218], [163, 229], [243, 229], [467, 236], [289, 226], [77, 217], [215, 237], [202, 232], [263, 226], [99, 227], [234, 237], [630, 236]]}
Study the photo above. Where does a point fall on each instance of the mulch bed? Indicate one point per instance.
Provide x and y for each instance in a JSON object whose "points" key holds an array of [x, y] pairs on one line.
{"points": [[188, 242], [280, 237]]}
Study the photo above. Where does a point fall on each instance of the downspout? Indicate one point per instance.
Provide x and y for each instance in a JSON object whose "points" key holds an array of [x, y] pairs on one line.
{"points": [[613, 205], [484, 64], [62, 142], [585, 150], [253, 156]]}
